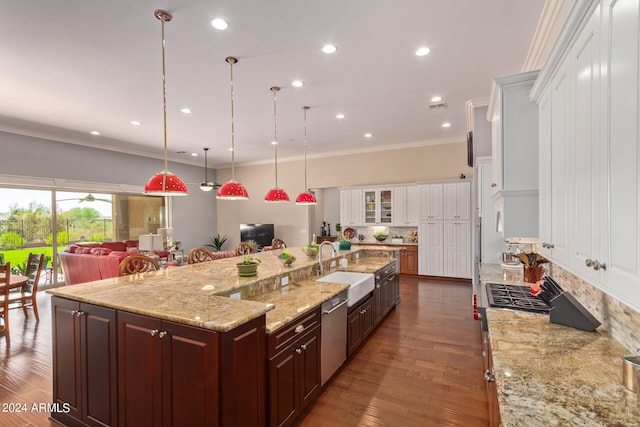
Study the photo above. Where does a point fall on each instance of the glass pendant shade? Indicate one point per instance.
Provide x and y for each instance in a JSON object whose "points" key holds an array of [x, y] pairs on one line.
{"points": [[306, 197], [165, 183], [232, 190], [276, 194]]}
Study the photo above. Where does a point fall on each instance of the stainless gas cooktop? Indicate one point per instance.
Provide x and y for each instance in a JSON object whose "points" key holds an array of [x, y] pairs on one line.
{"points": [[515, 298]]}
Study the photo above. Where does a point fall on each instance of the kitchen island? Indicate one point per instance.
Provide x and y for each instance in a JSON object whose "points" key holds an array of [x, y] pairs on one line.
{"points": [[548, 374], [185, 343]]}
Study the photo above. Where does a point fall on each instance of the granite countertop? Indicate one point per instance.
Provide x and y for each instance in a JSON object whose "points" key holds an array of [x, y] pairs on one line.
{"points": [[199, 294], [554, 375]]}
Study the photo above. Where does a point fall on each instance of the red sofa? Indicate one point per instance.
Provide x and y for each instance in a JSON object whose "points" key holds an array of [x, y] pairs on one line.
{"points": [[89, 262]]}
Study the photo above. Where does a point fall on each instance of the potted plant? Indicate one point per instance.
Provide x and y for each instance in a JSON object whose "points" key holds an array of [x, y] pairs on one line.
{"points": [[248, 266], [345, 244], [253, 244], [218, 241], [287, 258]]}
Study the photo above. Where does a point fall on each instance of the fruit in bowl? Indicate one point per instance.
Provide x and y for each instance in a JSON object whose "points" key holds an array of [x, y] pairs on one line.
{"points": [[380, 237], [287, 258], [310, 250]]}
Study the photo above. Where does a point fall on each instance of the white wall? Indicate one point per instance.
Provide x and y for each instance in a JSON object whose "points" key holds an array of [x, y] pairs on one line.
{"points": [[194, 216]]}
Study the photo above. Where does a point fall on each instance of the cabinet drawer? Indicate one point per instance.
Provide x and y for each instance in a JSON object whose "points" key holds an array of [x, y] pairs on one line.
{"points": [[279, 339]]}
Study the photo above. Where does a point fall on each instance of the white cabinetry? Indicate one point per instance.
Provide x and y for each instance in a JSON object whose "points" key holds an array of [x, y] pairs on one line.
{"points": [[430, 202], [405, 205], [457, 200], [457, 249], [351, 206], [514, 124], [430, 248], [588, 96], [378, 206]]}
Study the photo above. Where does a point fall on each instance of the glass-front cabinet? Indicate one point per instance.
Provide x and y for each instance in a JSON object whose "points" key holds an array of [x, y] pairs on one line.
{"points": [[378, 206]]}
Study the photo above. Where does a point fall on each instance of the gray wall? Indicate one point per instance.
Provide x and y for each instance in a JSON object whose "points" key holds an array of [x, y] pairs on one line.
{"points": [[194, 216]]}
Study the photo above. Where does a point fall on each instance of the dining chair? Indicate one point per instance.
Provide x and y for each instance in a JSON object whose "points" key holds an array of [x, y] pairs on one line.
{"points": [[278, 244], [137, 263], [25, 296], [243, 248], [199, 254], [4, 300]]}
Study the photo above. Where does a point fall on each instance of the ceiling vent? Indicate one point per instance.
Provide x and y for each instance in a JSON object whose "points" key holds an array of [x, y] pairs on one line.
{"points": [[438, 106]]}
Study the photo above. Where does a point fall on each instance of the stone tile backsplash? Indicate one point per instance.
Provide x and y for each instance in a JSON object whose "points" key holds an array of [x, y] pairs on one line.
{"points": [[622, 322], [368, 232]]}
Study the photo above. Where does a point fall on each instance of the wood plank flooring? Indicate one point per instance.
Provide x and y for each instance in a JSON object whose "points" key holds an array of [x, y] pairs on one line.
{"points": [[422, 367]]}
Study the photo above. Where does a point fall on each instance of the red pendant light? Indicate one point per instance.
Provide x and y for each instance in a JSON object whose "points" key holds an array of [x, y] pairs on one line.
{"points": [[165, 183], [232, 190], [306, 197], [276, 194]]}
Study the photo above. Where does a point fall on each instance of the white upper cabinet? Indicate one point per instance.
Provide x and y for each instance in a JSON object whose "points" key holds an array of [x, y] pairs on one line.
{"points": [[378, 206], [430, 200], [405, 205], [457, 200], [514, 127], [350, 206], [588, 97]]}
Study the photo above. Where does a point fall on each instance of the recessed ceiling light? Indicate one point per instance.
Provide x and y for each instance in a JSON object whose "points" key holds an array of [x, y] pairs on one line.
{"points": [[329, 48], [297, 83], [194, 154], [135, 122], [274, 142], [446, 125], [186, 110], [95, 132], [367, 135], [340, 116], [436, 99], [219, 24], [423, 51]]}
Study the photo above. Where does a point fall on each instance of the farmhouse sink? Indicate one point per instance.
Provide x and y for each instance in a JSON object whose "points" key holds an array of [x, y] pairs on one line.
{"points": [[360, 284]]}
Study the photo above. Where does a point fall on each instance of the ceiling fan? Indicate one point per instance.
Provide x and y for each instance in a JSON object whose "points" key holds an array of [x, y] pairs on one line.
{"points": [[88, 198]]}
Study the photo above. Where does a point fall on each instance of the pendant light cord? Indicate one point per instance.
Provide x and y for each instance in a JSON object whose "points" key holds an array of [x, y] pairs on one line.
{"points": [[232, 61], [164, 101], [305, 108], [205, 166], [275, 90]]}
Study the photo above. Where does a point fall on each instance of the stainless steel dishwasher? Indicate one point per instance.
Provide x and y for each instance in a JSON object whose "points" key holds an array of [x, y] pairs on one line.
{"points": [[334, 335]]}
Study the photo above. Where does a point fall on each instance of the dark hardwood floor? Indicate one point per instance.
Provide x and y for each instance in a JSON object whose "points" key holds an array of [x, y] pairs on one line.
{"points": [[421, 367]]}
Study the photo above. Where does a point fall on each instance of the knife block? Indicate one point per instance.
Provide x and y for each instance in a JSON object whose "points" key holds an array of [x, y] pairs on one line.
{"points": [[566, 310]]}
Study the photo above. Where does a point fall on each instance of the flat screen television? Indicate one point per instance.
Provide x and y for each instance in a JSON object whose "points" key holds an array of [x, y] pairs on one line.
{"points": [[262, 234]]}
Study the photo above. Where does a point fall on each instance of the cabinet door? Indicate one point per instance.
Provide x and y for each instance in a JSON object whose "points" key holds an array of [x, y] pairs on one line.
{"points": [[354, 331], [585, 233], [434, 248], [561, 165], [463, 241], [457, 200], [66, 365], [411, 262], [283, 387], [621, 172], [309, 357], [367, 313], [139, 370], [189, 375], [351, 206], [411, 205], [378, 309], [386, 206], [99, 365], [370, 206], [544, 206]]}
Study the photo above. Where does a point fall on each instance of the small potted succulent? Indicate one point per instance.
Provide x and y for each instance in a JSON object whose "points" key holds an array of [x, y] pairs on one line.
{"points": [[310, 250], [248, 266], [287, 258]]}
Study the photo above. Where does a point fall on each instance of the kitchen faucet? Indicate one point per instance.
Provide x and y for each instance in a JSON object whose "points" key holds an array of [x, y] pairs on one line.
{"points": [[333, 250]]}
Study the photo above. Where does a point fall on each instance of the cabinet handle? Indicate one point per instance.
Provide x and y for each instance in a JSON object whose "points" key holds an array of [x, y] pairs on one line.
{"points": [[484, 354], [73, 313], [493, 184], [299, 329], [488, 377], [303, 346], [588, 262], [162, 334], [153, 332], [79, 313], [363, 312], [597, 265], [298, 351]]}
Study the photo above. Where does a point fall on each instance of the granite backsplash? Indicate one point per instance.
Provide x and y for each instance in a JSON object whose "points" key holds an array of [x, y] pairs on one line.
{"points": [[621, 321]]}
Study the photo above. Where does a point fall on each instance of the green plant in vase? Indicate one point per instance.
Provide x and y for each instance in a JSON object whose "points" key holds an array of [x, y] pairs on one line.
{"points": [[248, 266], [344, 242]]}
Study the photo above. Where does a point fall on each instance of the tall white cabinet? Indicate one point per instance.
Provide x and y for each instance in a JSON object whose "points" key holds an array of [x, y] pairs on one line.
{"points": [[444, 231], [588, 98]]}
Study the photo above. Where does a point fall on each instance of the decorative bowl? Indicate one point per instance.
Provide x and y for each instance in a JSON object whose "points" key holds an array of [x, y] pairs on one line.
{"points": [[287, 262], [380, 237], [310, 252]]}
